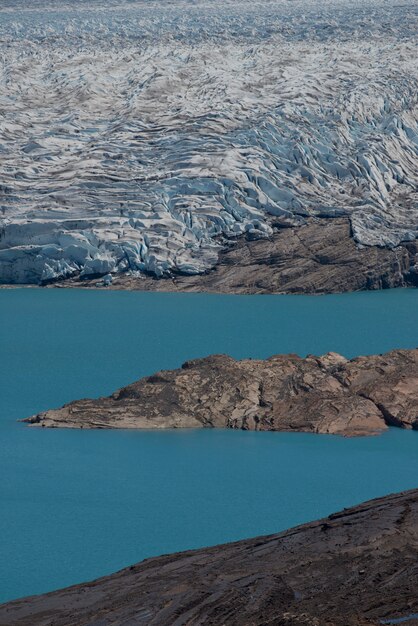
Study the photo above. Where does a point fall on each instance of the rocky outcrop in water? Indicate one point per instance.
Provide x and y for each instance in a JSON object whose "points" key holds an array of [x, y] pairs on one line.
{"points": [[327, 394], [140, 136], [353, 568]]}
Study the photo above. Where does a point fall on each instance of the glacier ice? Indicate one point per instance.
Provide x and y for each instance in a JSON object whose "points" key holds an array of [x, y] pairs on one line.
{"points": [[138, 135]]}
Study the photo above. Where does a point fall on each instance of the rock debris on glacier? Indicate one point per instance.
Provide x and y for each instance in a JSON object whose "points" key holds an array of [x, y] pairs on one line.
{"points": [[137, 136]]}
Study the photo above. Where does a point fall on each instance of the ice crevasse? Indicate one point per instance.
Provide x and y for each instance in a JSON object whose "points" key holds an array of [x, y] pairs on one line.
{"points": [[139, 136]]}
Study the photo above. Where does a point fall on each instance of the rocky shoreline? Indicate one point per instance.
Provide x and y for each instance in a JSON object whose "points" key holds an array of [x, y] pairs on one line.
{"points": [[317, 258], [353, 568], [327, 394]]}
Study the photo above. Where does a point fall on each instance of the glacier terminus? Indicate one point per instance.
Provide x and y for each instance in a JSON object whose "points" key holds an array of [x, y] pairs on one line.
{"points": [[141, 136]]}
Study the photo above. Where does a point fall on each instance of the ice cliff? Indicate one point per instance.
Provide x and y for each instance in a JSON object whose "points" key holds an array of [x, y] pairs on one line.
{"points": [[137, 136]]}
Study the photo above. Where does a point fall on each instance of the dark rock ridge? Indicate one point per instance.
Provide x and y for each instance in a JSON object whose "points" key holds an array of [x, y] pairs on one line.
{"points": [[327, 394], [319, 257], [353, 568]]}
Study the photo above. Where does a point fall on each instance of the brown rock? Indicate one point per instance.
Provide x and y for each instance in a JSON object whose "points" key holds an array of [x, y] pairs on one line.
{"points": [[328, 394], [354, 568], [319, 257], [390, 381]]}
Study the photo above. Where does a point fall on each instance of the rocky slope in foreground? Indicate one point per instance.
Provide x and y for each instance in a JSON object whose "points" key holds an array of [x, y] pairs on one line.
{"points": [[327, 394], [354, 568]]}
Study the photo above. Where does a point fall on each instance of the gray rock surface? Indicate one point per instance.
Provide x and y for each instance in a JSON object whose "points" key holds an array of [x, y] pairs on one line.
{"points": [[353, 568], [327, 394]]}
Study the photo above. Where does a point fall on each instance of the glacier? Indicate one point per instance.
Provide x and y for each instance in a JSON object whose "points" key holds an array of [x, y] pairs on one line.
{"points": [[140, 136]]}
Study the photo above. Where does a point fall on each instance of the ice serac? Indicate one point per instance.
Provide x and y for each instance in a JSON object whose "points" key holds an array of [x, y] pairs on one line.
{"points": [[139, 136], [318, 257], [357, 567], [327, 394]]}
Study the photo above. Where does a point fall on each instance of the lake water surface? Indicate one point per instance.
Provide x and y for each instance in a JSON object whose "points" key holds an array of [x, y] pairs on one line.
{"points": [[80, 504]]}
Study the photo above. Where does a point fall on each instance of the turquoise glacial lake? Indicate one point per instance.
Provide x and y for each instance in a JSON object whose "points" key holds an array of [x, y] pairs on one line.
{"points": [[80, 504]]}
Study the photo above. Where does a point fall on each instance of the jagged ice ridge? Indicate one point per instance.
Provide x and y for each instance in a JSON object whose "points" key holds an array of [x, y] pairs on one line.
{"points": [[139, 136]]}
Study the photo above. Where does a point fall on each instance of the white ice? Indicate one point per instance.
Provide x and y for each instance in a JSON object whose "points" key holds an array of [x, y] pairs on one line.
{"points": [[136, 136]]}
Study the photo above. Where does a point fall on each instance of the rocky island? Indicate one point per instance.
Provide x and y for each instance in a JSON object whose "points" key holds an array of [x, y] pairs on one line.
{"points": [[327, 394], [353, 568]]}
